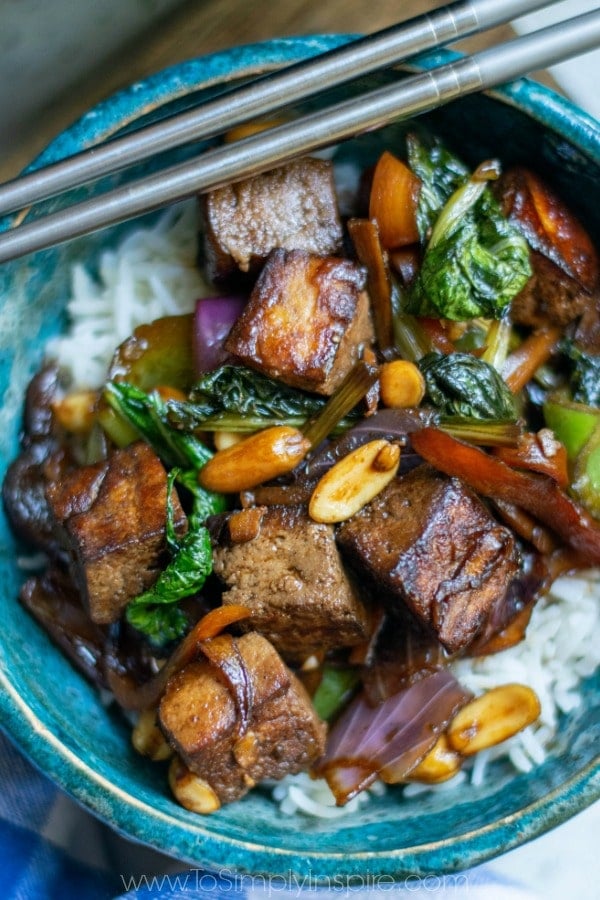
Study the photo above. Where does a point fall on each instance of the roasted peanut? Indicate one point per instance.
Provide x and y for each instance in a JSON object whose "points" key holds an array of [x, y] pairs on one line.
{"points": [[353, 481], [492, 718], [440, 764], [148, 739], [76, 412], [191, 791], [259, 457], [224, 439], [401, 384]]}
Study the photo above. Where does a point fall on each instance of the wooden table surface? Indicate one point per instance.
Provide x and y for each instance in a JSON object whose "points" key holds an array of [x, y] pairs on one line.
{"points": [[204, 26]]}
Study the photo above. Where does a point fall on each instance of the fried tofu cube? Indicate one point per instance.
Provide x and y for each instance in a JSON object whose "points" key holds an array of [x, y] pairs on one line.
{"points": [[111, 518], [431, 544], [293, 206], [283, 734], [306, 322], [291, 576]]}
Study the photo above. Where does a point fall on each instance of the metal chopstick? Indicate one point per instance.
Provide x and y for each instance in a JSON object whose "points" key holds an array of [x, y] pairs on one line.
{"points": [[266, 95], [269, 148]]}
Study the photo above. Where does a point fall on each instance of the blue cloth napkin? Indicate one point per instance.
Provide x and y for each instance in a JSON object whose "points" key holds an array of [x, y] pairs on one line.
{"points": [[51, 849]]}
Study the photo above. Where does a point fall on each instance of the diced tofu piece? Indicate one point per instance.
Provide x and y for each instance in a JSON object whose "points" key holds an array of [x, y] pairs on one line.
{"points": [[111, 517], [293, 207], [550, 297], [432, 544], [306, 321], [199, 716], [290, 575]]}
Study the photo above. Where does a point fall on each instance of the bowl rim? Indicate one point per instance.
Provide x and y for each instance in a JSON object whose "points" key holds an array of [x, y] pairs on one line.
{"points": [[32, 731]]}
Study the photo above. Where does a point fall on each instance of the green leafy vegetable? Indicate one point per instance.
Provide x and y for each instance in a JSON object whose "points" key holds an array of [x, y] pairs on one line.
{"points": [[463, 385], [147, 413], [441, 173], [237, 398], [585, 375], [475, 261], [248, 393], [205, 503], [154, 612]]}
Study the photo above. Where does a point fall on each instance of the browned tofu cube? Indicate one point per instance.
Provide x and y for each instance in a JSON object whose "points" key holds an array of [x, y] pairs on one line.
{"points": [[199, 716], [111, 517], [290, 575], [293, 206], [433, 544], [306, 321]]}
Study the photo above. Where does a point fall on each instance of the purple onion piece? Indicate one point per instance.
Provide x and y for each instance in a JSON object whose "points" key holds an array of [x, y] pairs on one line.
{"points": [[390, 739], [213, 320], [390, 424]]}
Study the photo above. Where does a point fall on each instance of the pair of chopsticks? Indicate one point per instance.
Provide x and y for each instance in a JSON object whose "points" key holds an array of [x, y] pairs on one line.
{"points": [[275, 146]]}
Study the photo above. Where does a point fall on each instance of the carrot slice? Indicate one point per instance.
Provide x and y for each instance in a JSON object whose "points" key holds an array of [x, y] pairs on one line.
{"points": [[539, 452], [523, 363], [393, 201]]}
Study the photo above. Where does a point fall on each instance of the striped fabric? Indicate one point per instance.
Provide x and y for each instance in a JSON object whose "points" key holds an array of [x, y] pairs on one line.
{"points": [[51, 849]]}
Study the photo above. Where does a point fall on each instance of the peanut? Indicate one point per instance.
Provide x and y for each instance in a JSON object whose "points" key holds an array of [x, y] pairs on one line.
{"points": [[401, 384], [77, 411], [492, 718], [440, 764], [191, 791], [224, 439], [257, 458], [148, 739], [353, 481]]}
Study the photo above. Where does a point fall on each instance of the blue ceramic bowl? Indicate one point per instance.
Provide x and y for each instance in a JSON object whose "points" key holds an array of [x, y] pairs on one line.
{"points": [[57, 718]]}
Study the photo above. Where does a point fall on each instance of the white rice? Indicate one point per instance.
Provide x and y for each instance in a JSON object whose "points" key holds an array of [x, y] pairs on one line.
{"points": [[153, 273]]}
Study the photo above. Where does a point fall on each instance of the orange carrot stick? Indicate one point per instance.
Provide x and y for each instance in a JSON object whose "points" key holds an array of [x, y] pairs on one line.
{"points": [[523, 363]]}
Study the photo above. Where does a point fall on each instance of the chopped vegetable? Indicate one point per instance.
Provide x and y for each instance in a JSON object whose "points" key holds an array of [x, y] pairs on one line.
{"points": [[522, 364], [440, 173], [147, 414], [235, 398], [475, 261], [388, 740], [213, 319], [393, 202], [154, 612], [366, 239], [586, 474], [537, 494], [539, 452], [585, 375], [160, 352], [463, 385], [336, 687], [572, 423]]}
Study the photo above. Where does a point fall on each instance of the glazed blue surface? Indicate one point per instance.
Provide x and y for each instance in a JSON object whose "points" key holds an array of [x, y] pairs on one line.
{"points": [[57, 718]]}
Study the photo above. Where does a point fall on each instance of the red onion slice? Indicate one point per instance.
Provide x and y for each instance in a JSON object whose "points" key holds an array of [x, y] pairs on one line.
{"points": [[213, 320], [389, 740]]}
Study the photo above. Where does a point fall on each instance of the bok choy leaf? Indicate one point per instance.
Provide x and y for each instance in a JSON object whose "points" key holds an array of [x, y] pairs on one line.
{"points": [[464, 385], [155, 612], [475, 261]]}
